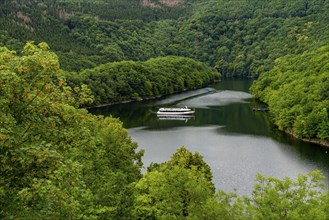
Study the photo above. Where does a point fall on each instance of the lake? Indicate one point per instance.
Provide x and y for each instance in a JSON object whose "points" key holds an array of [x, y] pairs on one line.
{"points": [[235, 141]]}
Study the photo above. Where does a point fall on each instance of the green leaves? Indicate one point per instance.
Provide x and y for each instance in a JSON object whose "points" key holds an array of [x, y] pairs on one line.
{"points": [[302, 198], [241, 38], [51, 153], [128, 80], [171, 193], [296, 92], [177, 189]]}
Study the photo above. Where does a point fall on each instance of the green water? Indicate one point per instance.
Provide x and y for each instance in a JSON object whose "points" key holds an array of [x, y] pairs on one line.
{"points": [[235, 141]]}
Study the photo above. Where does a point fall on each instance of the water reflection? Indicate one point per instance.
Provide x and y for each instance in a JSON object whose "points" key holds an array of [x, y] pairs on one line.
{"points": [[176, 117]]}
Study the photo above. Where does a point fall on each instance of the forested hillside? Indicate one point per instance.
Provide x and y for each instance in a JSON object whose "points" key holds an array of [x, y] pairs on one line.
{"points": [[129, 80], [243, 38], [297, 92], [240, 38], [60, 162], [84, 33]]}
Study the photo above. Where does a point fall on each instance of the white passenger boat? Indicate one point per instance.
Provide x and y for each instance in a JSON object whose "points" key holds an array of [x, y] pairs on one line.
{"points": [[174, 111]]}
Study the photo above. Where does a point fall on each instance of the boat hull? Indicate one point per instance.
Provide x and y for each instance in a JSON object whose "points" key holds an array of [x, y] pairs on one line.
{"points": [[175, 113]]}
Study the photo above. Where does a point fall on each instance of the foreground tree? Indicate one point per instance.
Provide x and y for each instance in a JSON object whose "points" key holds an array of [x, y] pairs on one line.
{"points": [[177, 189], [303, 198], [51, 153]]}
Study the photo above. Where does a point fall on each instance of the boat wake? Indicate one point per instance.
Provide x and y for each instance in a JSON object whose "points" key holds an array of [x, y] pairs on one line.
{"points": [[183, 96]]}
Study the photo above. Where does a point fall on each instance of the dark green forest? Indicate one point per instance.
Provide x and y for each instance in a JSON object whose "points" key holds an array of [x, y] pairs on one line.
{"points": [[60, 162], [129, 80], [297, 92], [239, 38]]}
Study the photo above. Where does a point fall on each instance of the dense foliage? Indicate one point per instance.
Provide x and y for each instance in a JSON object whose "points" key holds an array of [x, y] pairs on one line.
{"points": [[243, 38], [175, 189], [240, 38], [58, 162], [297, 92], [83, 33], [128, 80]]}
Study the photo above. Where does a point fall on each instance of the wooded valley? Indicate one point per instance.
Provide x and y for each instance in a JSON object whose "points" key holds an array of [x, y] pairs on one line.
{"points": [[57, 56]]}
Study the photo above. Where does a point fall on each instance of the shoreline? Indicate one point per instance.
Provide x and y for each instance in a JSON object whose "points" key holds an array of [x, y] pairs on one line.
{"points": [[150, 97], [323, 143], [144, 98], [320, 142], [123, 102]]}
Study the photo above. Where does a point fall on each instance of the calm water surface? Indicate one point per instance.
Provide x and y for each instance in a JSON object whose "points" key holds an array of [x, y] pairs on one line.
{"points": [[235, 141]]}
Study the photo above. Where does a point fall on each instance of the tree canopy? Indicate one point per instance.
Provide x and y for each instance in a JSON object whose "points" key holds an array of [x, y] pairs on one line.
{"points": [[240, 38], [129, 80], [297, 92], [52, 152]]}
